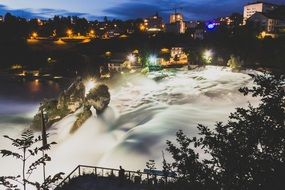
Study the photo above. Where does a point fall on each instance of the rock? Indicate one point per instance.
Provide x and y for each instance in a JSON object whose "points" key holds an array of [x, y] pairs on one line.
{"points": [[99, 98], [72, 98], [70, 101], [82, 117]]}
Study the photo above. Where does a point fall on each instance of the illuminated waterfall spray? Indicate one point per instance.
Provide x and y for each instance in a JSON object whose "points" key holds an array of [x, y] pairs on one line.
{"points": [[142, 115]]}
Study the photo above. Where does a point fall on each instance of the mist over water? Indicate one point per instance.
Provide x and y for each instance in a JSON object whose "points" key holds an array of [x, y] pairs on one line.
{"points": [[144, 112]]}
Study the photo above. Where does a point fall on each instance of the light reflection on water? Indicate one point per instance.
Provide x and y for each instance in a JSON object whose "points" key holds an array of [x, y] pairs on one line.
{"points": [[19, 97]]}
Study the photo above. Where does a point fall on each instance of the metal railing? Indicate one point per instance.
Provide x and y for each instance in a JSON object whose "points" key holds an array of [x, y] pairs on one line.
{"points": [[131, 176]]}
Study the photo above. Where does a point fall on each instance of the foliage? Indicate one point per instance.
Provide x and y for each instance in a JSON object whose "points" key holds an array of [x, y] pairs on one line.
{"points": [[150, 165], [245, 153], [235, 62], [190, 171], [27, 148]]}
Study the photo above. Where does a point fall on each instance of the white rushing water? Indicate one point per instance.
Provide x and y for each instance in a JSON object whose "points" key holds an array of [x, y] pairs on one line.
{"points": [[142, 115]]}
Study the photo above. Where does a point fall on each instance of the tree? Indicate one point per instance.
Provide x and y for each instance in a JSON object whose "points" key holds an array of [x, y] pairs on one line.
{"points": [[248, 152], [190, 171], [235, 62], [152, 176], [27, 146]]}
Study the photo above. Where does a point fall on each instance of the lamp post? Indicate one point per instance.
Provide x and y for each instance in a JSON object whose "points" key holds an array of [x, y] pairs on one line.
{"points": [[44, 138]]}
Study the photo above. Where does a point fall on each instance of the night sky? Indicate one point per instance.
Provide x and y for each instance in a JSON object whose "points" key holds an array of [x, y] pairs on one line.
{"points": [[123, 9]]}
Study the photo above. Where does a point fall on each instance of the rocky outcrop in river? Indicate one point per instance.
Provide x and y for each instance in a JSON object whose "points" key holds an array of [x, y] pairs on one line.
{"points": [[71, 100]]}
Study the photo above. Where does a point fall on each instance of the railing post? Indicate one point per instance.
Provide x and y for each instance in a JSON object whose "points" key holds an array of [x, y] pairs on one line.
{"points": [[147, 176]]}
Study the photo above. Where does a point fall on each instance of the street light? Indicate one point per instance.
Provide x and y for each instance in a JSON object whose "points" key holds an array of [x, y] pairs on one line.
{"points": [[152, 60], [69, 32], [131, 58], [34, 35]]}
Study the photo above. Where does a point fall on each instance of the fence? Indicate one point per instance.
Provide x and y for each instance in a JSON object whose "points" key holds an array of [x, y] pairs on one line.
{"points": [[148, 177]]}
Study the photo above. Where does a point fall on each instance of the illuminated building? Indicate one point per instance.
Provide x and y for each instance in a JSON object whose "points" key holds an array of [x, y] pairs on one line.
{"points": [[176, 17], [268, 24], [122, 61], [177, 24], [226, 21], [251, 8], [177, 56], [153, 24]]}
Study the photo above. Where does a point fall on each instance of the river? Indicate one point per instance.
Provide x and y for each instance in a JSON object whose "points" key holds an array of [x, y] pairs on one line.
{"points": [[143, 113]]}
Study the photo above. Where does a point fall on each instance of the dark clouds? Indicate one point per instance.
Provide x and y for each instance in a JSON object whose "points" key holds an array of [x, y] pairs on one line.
{"points": [[199, 9], [192, 9], [42, 13]]}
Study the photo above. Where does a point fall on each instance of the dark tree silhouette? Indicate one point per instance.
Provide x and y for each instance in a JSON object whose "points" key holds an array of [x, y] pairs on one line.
{"points": [[245, 153]]}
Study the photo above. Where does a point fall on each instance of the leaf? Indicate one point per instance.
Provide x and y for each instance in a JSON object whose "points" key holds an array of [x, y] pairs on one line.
{"points": [[10, 153]]}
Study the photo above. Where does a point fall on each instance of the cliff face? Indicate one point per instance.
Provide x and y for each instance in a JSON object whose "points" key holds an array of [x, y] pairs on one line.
{"points": [[69, 101]]}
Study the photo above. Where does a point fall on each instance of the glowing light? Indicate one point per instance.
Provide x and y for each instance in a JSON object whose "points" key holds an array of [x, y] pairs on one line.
{"points": [[131, 58], [152, 60], [34, 35], [142, 27], [89, 85], [16, 66], [208, 56], [164, 50], [69, 32], [262, 35], [108, 53], [60, 42], [211, 26]]}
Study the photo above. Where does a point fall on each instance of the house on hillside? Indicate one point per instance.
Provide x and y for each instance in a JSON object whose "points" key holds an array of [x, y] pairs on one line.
{"points": [[269, 23]]}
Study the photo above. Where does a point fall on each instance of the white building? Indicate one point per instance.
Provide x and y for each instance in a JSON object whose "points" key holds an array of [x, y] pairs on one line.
{"points": [[115, 66], [258, 6]]}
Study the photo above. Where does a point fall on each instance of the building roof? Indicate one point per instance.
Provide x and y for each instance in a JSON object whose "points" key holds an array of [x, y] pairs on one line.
{"points": [[258, 2], [271, 15]]}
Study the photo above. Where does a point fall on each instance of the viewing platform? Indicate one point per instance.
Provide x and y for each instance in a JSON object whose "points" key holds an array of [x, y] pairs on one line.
{"points": [[100, 176]]}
